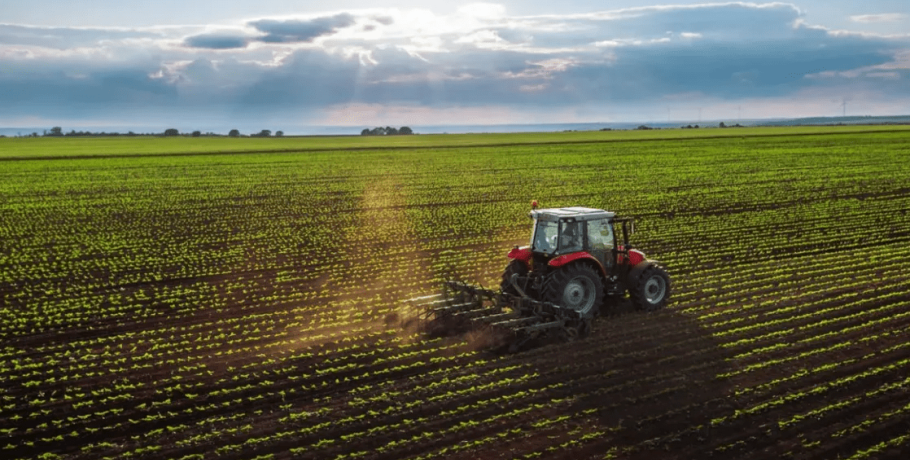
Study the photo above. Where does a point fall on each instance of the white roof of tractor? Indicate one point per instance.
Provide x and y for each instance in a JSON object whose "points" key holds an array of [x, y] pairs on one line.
{"points": [[576, 212]]}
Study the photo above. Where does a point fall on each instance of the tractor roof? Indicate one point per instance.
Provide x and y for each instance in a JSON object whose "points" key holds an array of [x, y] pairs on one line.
{"points": [[576, 213]]}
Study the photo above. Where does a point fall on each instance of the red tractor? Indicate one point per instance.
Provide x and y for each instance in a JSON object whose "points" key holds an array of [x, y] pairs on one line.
{"points": [[559, 282], [576, 259]]}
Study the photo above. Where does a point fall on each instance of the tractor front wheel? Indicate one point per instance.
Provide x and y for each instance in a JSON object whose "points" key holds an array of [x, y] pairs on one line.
{"points": [[651, 290], [578, 287]]}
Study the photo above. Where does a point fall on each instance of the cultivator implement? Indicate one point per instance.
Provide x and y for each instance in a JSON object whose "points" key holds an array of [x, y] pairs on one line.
{"points": [[512, 320]]}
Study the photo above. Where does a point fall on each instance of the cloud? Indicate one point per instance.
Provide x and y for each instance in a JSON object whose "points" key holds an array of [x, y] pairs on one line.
{"points": [[885, 17], [483, 10], [886, 75], [279, 31], [63, 38], [384, 20], [217, 41], [474, 61], [297, 31]]}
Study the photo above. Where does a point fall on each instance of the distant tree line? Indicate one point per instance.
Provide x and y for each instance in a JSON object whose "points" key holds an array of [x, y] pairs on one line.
{"points": [[387, 131], [721, 125], [263, 133], [57, 131]]}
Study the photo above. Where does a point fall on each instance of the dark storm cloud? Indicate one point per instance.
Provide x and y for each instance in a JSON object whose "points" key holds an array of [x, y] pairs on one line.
{"points": [[217, 41], [295, 31]]}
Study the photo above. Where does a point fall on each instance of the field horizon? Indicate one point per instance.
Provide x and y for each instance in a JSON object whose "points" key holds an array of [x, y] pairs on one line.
{"points": [[121, 146], [466, 128]]}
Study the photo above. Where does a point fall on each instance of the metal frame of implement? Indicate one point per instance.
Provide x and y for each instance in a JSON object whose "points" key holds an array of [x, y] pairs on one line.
{"points": [[462, 307]]}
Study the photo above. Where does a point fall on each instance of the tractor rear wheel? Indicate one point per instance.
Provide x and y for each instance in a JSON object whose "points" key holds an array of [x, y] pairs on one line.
{"points": [[515, 266], [577, 287], [651, 290]]}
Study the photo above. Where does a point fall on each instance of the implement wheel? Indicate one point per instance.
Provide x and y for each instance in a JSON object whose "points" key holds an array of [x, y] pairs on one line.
{"points": [[651, 290], [577, 287]]}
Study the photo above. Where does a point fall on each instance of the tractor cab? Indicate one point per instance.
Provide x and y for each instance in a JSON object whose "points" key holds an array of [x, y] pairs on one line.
{"points": [[562, 231]]}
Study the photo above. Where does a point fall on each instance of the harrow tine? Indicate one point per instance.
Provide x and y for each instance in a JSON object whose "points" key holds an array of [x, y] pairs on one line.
{"points": [[497, 318], [518, 322], [455, 308], [478, 312], [471, 290], [541, 327], [435, 302], [422, 298]]}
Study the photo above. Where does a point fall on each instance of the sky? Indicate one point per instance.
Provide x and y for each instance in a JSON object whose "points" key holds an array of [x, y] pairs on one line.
{"points": [[282, 64]]}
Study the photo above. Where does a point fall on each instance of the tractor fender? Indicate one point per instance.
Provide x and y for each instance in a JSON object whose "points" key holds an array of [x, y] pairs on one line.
{"points": [[522, 254], [635, 257], [635, 271], [569, 258]]}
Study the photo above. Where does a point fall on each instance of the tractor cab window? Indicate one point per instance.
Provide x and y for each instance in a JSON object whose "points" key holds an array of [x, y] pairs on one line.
{"points": [[545, 237], [600, 235], [571, 236]]}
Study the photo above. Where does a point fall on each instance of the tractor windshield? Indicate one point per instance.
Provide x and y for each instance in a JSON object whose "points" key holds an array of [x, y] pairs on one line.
{"points": [[545, 237], [570, 237]]}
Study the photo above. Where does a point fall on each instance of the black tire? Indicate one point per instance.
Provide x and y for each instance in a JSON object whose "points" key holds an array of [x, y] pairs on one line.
{"points": [[577, 286], [515, 266], [651, 290]]}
